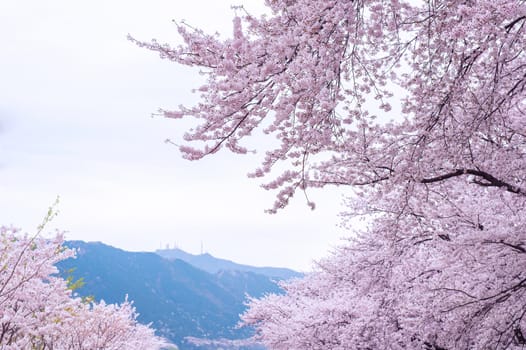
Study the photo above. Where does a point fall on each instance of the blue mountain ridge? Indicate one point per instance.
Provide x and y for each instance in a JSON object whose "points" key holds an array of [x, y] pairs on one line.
{"points": [[212, 264], [179, 300]]}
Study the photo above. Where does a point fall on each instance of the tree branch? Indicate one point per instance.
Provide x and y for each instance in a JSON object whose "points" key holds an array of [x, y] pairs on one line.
{"points": [[490, 180]]}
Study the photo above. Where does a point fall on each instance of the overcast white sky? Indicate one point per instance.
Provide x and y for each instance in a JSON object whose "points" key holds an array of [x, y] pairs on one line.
{"points": [[75, 104]]}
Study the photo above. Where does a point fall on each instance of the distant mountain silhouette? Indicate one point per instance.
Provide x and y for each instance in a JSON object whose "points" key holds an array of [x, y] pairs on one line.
{"points": [[179, 299], [214, 265]]}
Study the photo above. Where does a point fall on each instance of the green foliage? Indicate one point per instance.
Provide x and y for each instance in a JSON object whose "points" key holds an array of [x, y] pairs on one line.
{"points": [[52, 212], [73, 284]]}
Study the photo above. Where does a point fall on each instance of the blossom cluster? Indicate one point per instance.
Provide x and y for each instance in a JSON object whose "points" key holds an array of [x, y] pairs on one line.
{"points": [[39, 311], [418, 107]]}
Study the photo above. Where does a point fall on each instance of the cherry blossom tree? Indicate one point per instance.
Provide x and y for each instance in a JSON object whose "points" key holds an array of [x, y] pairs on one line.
{"points": [[418, 108], [38, 310]]}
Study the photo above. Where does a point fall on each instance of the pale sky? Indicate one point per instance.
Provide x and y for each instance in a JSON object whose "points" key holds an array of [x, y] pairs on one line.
{"points": [[76, 100]]}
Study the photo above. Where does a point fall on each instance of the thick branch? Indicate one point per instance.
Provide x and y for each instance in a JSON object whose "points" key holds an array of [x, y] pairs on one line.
{"points": [[517, 20], [489, 180], [517, 247]]}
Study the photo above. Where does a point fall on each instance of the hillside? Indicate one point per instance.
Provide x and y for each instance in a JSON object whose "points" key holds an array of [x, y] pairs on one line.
{"points": [[180, 300]]}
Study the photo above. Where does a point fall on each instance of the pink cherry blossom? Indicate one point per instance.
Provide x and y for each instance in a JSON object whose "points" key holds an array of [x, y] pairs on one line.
{"points": [[39, 311], [419, 108]]}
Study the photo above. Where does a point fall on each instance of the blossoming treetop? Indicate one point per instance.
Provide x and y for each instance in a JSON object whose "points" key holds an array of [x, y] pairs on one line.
{"points": [[419, 106]]}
